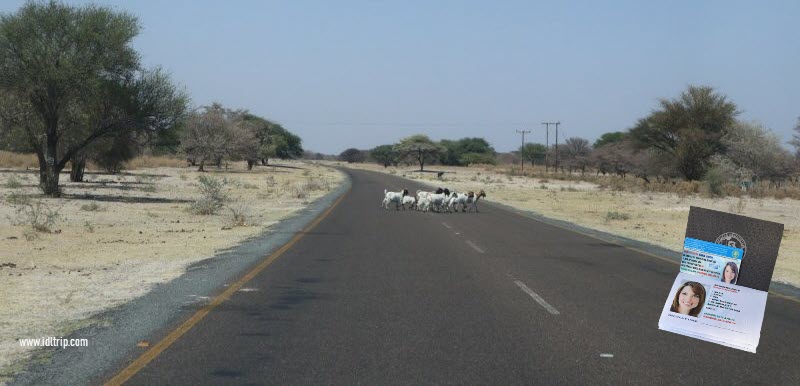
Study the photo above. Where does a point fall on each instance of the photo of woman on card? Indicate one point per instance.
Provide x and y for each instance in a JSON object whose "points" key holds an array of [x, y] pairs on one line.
{"points": [[689, 299], [730, 273]]}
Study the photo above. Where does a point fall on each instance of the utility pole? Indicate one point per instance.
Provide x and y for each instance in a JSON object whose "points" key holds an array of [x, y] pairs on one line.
{"points": [[522, 150], [547, 143], [557, 123]]}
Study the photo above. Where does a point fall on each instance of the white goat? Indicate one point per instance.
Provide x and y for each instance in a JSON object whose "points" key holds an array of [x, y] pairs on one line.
{"points": [[410, 201], [393, 197], [457, 199]]}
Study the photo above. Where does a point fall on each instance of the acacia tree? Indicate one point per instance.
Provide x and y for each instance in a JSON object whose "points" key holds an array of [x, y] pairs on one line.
{"points": [[384, 155], [534, 152], [209, 135], [70, 77], [420, 148], [576, 152], [796, 140], [753, 148], [687, 130], [352, 155]]}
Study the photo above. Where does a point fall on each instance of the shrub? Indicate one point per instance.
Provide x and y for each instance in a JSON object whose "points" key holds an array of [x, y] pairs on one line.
{"points": [[214, 194], [38, 215], [93, 207], [617, 216], [239, 214], [715, 181], [17, 199], [13, 182]]}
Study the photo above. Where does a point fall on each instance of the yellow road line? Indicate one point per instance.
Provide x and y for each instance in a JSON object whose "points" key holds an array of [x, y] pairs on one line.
{"points": [[782, 296], [151, 354]]}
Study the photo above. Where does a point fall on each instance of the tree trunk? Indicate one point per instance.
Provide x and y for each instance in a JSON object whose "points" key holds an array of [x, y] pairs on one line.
{"points": [[264, 162], [48, 179], [49, 167], [78, 168], [202, 163], [250, 164]]}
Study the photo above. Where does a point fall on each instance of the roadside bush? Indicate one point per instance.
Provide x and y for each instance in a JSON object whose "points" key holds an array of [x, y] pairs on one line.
{"points": [[239, 214], [715, 181], [617, 216], [38, 215], [214, 195]]}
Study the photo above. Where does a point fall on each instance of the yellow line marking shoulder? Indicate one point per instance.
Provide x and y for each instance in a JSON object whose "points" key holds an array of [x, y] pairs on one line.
{"points": [[151, 354]]}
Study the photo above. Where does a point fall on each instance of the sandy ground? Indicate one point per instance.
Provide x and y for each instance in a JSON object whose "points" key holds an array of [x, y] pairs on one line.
{"points": [[141, 233], [657, 218]]}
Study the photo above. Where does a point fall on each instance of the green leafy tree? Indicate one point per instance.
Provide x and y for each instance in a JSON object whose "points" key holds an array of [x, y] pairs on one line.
{"points": [[454, 151], [73, 77], [607, 138], [534, 152], [384, 155], [688, 130], [352, 155], [420, 149]]}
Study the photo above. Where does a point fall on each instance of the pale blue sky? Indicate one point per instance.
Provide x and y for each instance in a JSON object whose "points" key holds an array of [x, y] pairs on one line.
{"points": [[360, 74]]}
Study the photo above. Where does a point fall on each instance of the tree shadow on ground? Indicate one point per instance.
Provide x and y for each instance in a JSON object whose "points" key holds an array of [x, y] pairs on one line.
{"points": [[123, 199]]}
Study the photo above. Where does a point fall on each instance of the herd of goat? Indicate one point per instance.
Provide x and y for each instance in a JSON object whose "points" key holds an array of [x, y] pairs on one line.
{"points": [[441, 200]]}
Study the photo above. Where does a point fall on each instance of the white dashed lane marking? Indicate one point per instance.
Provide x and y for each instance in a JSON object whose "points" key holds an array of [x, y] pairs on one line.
{"points": [[536, 297], [475, 247]]}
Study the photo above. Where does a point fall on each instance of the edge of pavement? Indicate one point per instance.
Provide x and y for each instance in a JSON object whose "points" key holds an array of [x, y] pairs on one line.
{"points": [[114, 334], [781, 290]]}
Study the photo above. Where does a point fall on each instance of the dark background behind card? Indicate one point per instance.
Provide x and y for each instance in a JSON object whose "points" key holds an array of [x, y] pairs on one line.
{"points": [[763, 238]]}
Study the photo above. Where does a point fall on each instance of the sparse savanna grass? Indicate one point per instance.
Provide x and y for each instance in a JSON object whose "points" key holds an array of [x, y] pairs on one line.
{"points": [[16, 198], [149, 189]]}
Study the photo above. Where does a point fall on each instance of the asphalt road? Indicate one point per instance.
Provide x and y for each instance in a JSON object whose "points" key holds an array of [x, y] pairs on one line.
{"points": [[385, 297]]}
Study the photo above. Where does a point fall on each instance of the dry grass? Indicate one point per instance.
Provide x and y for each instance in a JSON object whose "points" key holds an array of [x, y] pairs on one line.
{"points": [[17, 160], [63, 277], [149, 162], [29, 161]]}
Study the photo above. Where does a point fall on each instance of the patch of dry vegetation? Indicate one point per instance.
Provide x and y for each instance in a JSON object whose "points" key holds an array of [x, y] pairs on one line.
{"points": [[17, 160], [627, 207], [58, 270]]}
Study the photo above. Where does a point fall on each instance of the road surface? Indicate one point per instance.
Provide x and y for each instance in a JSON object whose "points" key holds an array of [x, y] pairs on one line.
{"points": [[403, 297]]}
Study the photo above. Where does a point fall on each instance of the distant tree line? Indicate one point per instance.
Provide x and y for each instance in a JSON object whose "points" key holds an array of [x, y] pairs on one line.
{"points": [[691, 137], [421, 150], [73, 89]]}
